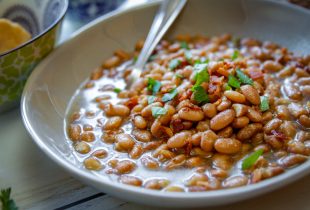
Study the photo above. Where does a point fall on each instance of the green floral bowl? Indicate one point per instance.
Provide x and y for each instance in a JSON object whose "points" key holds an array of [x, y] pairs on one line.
{"points": [[42, 19]]}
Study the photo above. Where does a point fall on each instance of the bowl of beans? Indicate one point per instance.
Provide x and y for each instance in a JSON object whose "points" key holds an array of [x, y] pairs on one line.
{"points": [[220, 113]]}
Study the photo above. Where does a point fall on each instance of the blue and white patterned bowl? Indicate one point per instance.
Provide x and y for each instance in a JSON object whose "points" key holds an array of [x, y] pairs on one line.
{"points": [[87, 10], [42, 19]]}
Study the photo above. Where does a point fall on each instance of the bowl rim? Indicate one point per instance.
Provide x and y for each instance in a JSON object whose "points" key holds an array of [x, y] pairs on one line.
{"points": [[45, 31], [242, 192]]}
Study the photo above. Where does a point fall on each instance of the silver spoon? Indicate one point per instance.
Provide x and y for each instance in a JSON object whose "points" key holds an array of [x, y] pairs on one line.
{"points": [[165, 16]]}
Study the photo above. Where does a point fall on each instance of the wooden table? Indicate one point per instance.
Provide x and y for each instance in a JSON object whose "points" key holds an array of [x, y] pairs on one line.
{"points": [[38, 183]]}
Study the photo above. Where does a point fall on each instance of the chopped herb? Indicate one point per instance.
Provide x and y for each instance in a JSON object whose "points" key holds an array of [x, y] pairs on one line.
{"points": [[235, 55], [156, 111], [179, 76], [244, 79], [184, 45], [169, 96], [227, 87], [135, 58], [174, 63], [7, 202], [152, 57], [202, 74], [233, 81], [153, 85], [188, 56], [200, 95], [151, 99], [264, 103], [117, 90], [251, 159]]}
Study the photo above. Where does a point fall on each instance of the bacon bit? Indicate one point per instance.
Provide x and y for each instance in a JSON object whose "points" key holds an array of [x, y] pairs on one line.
{"points": [[176, 125], [222, 71], [255, 74], [188, 148], [133, 101], [278, 135]]}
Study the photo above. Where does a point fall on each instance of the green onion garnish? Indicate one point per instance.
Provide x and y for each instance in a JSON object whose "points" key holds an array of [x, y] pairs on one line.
{"points": [[157, 111], [200, 94], [235, 55], [174, 63], [153, 85], [169, 96], [117, 90], [184, 45], [233, 81], [244, 79], [264, 103], [251, 159]]}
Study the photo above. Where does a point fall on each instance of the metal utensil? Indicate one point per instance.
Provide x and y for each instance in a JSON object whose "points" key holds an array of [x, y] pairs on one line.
{"points": [[167, 13]]}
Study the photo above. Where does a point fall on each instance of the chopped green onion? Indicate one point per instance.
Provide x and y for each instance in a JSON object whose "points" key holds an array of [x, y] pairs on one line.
{"points": [[235, 55], [200, 95], [169, 96], [244, 79], [233, 81], [153, 85], [202, 74], [152, 57], [6, 202], [151, 99], [264, 103], [135, 58], [251, 159], [117, 90], [184, 45], [188, 56], [174, 63], [227, 87], [157, 111]]}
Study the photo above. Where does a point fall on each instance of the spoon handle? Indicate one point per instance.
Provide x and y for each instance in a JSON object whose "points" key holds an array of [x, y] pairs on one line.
{"points": [[165, 16]]}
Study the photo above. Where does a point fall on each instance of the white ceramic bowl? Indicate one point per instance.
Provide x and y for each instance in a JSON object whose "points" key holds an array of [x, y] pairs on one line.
{"points": [[54, 81]]}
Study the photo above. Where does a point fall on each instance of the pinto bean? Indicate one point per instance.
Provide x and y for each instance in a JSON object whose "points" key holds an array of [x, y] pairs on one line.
{"points": [[124, 142], [227, 145], [149, 162], [264, 173], [203, 125], [226, 132], [140, 122], [74, 132], [209, 110], [113, 123], [222, 119], [88, 136], [272, 66], [292, 91], [296, 109], [136, 151], [267, 116], [125, 167], [254, 116], [142, 135], [189, 114], [272, 125], [240, 109], [194, 162], [292, 160], [92, 164], [251, 94], [81, 147], [225, 104], [283, 112], [179, 139], [288, 129], [207, 140], [116, 110], [176, 162], [240, 122], [156, 184], [304, 120], [234, 96], [235, 181], [130, 180], [249, 131], [222, 161], [111, 62]]}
